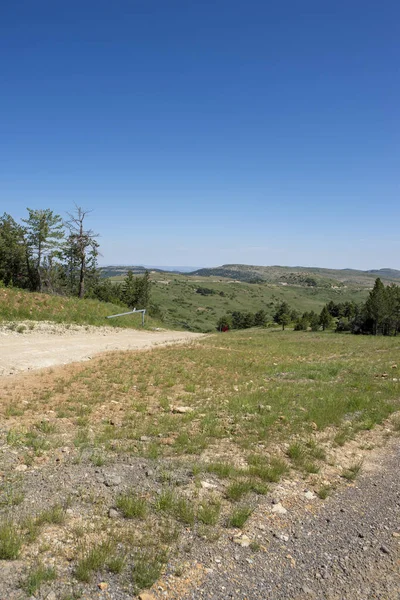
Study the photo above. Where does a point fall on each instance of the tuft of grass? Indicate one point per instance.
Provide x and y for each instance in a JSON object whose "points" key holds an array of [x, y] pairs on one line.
{"points": [[92, 560], [37, 577], [97, 459], [132, 506], [165, 500], [183, 510], [239, 516], [11, 496], [324, 491], [208, 512], [10, 541], [236, 490], [268, 470], [148, 566], [46, 427], [221, 469], [351, 472], [52, 516], [116, 563]]}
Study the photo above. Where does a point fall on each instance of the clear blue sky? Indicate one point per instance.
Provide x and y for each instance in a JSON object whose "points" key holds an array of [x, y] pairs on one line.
{"points": [[208, 132]]}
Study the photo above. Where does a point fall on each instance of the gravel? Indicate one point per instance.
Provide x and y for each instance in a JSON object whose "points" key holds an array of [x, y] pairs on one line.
{"points": [[348, 550]]}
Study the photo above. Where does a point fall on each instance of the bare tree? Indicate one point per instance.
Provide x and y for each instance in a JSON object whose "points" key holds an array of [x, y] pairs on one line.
{"points": [[82, 247]]}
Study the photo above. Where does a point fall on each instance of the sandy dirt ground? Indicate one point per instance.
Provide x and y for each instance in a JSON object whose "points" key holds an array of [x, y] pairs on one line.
{"points": [[49, 345]]}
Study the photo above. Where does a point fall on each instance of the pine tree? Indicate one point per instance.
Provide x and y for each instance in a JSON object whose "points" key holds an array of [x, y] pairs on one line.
{"points": [[377, 306], [283, 315], [325, 318], [43, 237]]}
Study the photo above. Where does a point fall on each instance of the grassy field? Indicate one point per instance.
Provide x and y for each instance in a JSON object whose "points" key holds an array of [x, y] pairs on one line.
{"points": [[238, 411], [19, 305], [183, 307]]}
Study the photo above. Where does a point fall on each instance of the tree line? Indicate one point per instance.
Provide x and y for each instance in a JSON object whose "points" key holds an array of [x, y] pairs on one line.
{"points": [[379, 315], [45, 253]]}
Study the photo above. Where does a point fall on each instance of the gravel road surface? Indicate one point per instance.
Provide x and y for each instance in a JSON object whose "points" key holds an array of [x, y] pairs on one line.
{"points": [[347, 550], [50, 345]]}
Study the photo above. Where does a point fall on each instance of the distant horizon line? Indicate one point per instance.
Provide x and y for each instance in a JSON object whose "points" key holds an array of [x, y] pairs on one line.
{"points": [[190, 268]]}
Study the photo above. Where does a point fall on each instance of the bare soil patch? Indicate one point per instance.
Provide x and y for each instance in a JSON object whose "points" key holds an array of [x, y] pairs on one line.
{"points": [[40, 345]]}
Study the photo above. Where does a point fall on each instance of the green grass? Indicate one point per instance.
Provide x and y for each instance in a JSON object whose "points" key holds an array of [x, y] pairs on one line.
{"points": [[10, 541], [37, 577], [132, 505], [183, 307], [352, 471], [239, 516], [92, 560], [148, 566], [20, 305], [208, 512]]}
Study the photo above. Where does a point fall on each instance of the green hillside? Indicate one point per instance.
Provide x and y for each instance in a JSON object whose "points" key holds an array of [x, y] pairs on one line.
{"points": [[196, 303], [20, 305]]}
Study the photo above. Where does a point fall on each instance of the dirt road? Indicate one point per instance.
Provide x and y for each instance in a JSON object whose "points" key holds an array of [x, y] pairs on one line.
{"points": [[48, 345]]}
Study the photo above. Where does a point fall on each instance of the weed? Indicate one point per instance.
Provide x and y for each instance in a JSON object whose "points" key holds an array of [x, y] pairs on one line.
{"points": [[183, 510], [36, 577], [91, 560], [132, 506], [238, 489], [10, 541], [97, 459], [223, 470], [116, 563], [352, 471], [324, 491], [165, 500], [148, 565], [208, 512], [46, 427], [52, 516], [239, 516]]}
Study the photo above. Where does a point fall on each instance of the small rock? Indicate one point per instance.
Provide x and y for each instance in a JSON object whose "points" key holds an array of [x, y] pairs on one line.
{"points": [[145, 438], [112, 480], [217, 560], [207, 485], [279, 509], [242, 540], [236, 388], [113, 514], [51, 596], [307, 590], [149, 473], [309, 495], [181, 409], [284, 538], [69, 512], [21, 468], [102, 585], [385, 549], [146, 596], [396, 534]]}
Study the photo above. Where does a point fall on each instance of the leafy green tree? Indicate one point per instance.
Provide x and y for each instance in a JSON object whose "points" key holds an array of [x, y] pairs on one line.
{"points": [[282, 315], [43, 238], [260, 318], [136, 290], [314, 321], [224, 323], [13, 267], [325, 319]]}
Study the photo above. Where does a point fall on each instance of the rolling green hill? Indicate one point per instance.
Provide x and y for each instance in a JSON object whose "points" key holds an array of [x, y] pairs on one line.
{"points": [[196, 302]]}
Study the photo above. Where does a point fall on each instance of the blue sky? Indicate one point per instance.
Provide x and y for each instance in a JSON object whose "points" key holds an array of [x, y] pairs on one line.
{"points": [[208, 132]]}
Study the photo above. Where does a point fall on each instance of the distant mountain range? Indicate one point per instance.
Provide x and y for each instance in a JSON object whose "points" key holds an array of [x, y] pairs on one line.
{"points": [[309, 276]]}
